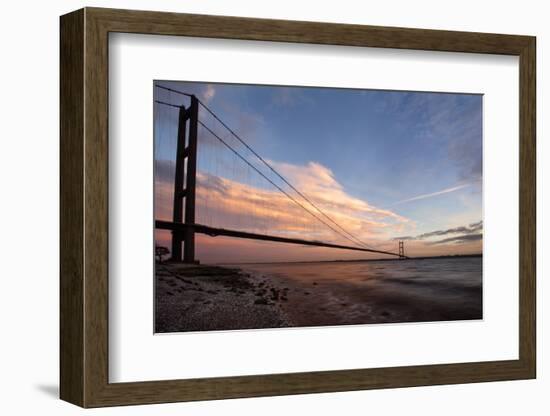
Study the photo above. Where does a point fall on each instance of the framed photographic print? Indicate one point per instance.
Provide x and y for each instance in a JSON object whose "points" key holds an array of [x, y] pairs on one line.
{"points": [[256, 207]]}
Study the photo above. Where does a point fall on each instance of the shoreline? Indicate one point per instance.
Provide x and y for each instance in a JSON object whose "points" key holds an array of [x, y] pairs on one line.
{"points": [[191, 298]]}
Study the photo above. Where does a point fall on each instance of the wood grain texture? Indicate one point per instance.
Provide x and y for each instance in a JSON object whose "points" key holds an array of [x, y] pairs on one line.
{"points": [[527, 208], [96, 219], [71, 213], [224, 27], [84, 207]]}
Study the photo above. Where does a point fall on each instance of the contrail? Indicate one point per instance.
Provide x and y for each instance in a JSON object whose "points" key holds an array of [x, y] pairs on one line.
{"points": [[444, 191]]}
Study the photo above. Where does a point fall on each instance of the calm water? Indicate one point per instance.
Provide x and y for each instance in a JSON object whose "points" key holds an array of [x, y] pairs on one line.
{"points": [[335, 293]]}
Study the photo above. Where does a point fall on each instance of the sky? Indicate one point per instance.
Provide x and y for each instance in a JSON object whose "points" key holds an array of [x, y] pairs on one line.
{"points": [[382, 166]]}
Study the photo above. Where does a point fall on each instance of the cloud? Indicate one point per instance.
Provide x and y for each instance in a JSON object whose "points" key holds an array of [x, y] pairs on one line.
{"points": [[459, 239], [246, 124], [452, 120], [289, 97], [164, 170], [318, 183], [476, 225], [472, 228], [468, 233], [226, 202], [404, 238], [208, 93], [284, 97], [466, 148], [430, 195]]}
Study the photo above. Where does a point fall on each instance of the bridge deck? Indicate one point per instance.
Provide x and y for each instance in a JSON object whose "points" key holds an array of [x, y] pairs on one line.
{"points": [[213, 232]]}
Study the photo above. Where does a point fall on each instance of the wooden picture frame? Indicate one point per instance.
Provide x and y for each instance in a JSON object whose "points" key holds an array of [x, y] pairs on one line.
{"points": [[84, 207]]}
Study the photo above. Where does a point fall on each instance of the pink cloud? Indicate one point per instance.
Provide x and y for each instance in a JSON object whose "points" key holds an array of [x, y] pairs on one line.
{"points": [[227, 203], [318, 182]]}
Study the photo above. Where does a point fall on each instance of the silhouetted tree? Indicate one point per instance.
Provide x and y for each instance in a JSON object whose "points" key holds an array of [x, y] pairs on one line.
{"points": [[161, 251]]}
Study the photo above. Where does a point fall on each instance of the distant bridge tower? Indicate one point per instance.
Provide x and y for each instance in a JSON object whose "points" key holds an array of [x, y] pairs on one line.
{"points": [[186, 149], [402, 250]]}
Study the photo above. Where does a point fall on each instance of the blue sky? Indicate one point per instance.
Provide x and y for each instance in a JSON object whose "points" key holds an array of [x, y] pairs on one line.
{"points": [[416, 154]]}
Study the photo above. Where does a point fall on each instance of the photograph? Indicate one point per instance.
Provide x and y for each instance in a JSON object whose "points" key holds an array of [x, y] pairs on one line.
{"points": [[281, 206]]}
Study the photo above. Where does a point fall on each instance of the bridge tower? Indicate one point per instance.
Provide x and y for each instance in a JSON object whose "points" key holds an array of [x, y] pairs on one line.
{"points": [[185, 183], [402, 250]]}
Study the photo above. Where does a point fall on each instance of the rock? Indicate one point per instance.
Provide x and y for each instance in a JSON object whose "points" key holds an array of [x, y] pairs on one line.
{"points": [[261, 301]]}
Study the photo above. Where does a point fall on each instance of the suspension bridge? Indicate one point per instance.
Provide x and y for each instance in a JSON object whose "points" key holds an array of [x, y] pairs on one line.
{"points": [[229, 172]]}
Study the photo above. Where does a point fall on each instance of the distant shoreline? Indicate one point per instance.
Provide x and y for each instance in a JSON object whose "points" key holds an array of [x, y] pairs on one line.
{"points": [[454, 256]]}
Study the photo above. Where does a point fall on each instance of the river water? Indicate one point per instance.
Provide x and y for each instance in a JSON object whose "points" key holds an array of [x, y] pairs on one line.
{"points": [[364, 292]]}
